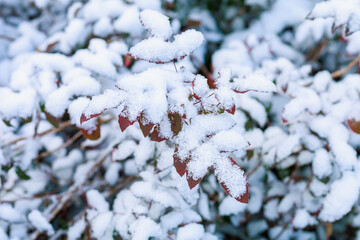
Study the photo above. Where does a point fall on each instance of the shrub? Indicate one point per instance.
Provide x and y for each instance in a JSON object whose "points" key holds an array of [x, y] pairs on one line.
{"points": [[179, 119]]}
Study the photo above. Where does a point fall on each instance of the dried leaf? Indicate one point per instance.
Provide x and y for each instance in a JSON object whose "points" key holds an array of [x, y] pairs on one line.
{"points": [[354, 125]]}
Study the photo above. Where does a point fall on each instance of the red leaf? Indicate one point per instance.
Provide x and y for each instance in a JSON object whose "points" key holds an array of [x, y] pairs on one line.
{"points": [[145, 128], [176, 123], [243, 198], [83, 118], [124, 122], [238, 91], [232, 110], [179, 165], [155, 135], [127, 60], [211, 82], [92, 134], [191, 181], [354, 125]]}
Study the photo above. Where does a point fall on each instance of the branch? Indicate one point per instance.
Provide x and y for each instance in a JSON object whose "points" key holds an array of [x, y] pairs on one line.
{"points": [[342, 71], [67, 196], [66, 144], [254, 169], [51, 130]]}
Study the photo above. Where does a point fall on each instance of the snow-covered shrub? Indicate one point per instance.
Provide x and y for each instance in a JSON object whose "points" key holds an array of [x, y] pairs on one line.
{"points": [[149, 119]]}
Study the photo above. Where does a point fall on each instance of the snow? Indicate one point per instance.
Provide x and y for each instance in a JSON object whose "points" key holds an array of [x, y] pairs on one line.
{"points": [[97, 9], [154, 84], [286, 147], [321, 164], [318, 188], [157, 51], [100, 224], [76, 230], [108, 100], [192, 231], [203, 206], [343, 194], [8, 213], [40, 222], [19, 104], [112, 173], [303, 218], [97, 201], [157, 24], [129, 22], [343, 13], [230, 206], [270, 210], [305, 100], [3, 234], [76, 32], [257, 227], [321, 81], [73, 59], [103, 27], [232, 176], [144, 228], [145, 151]]}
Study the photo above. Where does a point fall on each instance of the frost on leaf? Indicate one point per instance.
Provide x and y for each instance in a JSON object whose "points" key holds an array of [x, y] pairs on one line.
{"points": [[108, 100], [343, 195], [155, 50], [253, 82], [344, 13], [206, 144], [158, 49], [232, 179], [157, 24]]}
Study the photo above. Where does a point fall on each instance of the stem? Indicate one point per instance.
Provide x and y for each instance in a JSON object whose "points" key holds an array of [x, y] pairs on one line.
{"points": [[175, 66], [68, 195], [51, 130], [342, 71], [254, 169], [66, 144]]}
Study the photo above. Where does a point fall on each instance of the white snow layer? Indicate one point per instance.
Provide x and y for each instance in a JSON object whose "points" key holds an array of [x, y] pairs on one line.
{"points": [[341, 198], [40, 222], [157, 24]]}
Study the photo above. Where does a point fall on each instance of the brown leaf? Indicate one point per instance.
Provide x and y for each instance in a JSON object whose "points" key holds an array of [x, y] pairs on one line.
{"points": [[155, 135]]}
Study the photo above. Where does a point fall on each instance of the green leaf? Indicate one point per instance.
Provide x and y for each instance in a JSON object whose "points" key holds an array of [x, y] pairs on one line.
{"points": [[6, 168], [21, 174], [7, 123]]}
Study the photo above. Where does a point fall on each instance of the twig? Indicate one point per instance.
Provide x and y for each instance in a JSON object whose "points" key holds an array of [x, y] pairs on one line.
{"points": [[67, 196], [342, 71], [51, 130], [202, 66], [310, 179], [66, 144], [314, 54], [254, 169], [126, 181], [46, 196], [282, 231], [175, 66]]}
